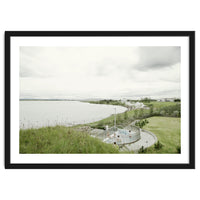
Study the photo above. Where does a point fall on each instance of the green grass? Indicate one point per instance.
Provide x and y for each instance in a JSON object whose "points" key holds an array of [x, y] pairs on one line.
{"points": [[158, 104], [61, 140], [132, 115], [168, 132]]}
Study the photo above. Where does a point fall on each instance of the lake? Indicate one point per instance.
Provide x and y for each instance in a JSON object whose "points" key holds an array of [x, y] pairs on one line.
{"points": [[35, 114]]}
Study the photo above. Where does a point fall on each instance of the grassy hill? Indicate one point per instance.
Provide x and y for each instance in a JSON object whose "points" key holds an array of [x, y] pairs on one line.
{"points": [[61, 140]]}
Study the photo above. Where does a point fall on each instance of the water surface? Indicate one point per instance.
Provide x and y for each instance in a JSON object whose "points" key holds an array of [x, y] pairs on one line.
{"points": [[35, 114]]}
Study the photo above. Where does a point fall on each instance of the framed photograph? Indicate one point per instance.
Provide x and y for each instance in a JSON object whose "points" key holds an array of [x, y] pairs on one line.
{"points": [[100, 99]]}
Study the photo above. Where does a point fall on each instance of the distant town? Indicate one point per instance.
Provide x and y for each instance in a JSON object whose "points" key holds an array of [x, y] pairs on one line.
{"points": [[123, 100]]}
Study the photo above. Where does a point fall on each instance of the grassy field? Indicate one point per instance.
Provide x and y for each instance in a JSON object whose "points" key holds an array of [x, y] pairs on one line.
{"points": [[61, 140], [158, 104], [167, 130]]}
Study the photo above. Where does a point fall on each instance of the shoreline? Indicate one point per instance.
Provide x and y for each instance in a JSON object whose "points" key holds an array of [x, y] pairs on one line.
{"points": [[72, 123]]}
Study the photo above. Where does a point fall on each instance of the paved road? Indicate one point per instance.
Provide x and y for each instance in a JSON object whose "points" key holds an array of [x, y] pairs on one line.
{"points": [[147, 140]]}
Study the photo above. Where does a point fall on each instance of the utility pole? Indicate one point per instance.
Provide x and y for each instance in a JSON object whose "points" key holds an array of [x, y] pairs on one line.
{"points": [[115, 118]]}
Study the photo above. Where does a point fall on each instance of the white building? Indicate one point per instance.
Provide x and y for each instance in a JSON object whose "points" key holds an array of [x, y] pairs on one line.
{"points": [[166, 100], [136, 105]]}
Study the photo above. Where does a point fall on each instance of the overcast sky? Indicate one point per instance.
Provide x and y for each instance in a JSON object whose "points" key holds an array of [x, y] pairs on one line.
{"points": [[99, 72]]}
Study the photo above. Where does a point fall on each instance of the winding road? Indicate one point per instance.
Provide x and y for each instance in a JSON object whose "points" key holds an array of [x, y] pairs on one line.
{"points": [[147, 140]]}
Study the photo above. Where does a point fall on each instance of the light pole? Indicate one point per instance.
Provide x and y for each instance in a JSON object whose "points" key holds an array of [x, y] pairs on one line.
{"points": [[115, 118]]}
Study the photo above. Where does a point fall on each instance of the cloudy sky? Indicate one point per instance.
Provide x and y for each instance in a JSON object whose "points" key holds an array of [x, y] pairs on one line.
{"points": [[99, 72]]}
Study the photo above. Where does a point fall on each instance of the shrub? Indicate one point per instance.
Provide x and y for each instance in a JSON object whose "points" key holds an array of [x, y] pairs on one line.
{"points": [[142, 123], [178, 148], [142, 150], [162, 112], [100, 127], [158, 145], [176, 113], [156, 113], [177, 100]]}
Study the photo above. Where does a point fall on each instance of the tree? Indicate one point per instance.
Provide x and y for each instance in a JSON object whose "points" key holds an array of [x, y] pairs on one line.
{"points": [[142, 123], [177, 100]]}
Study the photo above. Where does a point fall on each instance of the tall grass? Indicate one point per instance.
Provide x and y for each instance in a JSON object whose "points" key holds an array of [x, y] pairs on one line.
{"points": [[61, 140]]}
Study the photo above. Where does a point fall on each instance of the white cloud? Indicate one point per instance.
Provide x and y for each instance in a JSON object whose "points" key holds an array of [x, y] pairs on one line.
{"points": [[157, 57], [86, 72]]}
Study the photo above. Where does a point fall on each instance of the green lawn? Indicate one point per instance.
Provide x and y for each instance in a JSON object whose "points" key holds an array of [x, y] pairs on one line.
{"points": [[168, 132], [61, 140]]}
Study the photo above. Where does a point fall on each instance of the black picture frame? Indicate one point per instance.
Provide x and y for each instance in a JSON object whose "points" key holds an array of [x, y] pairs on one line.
{"points": [[191, 39]]}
